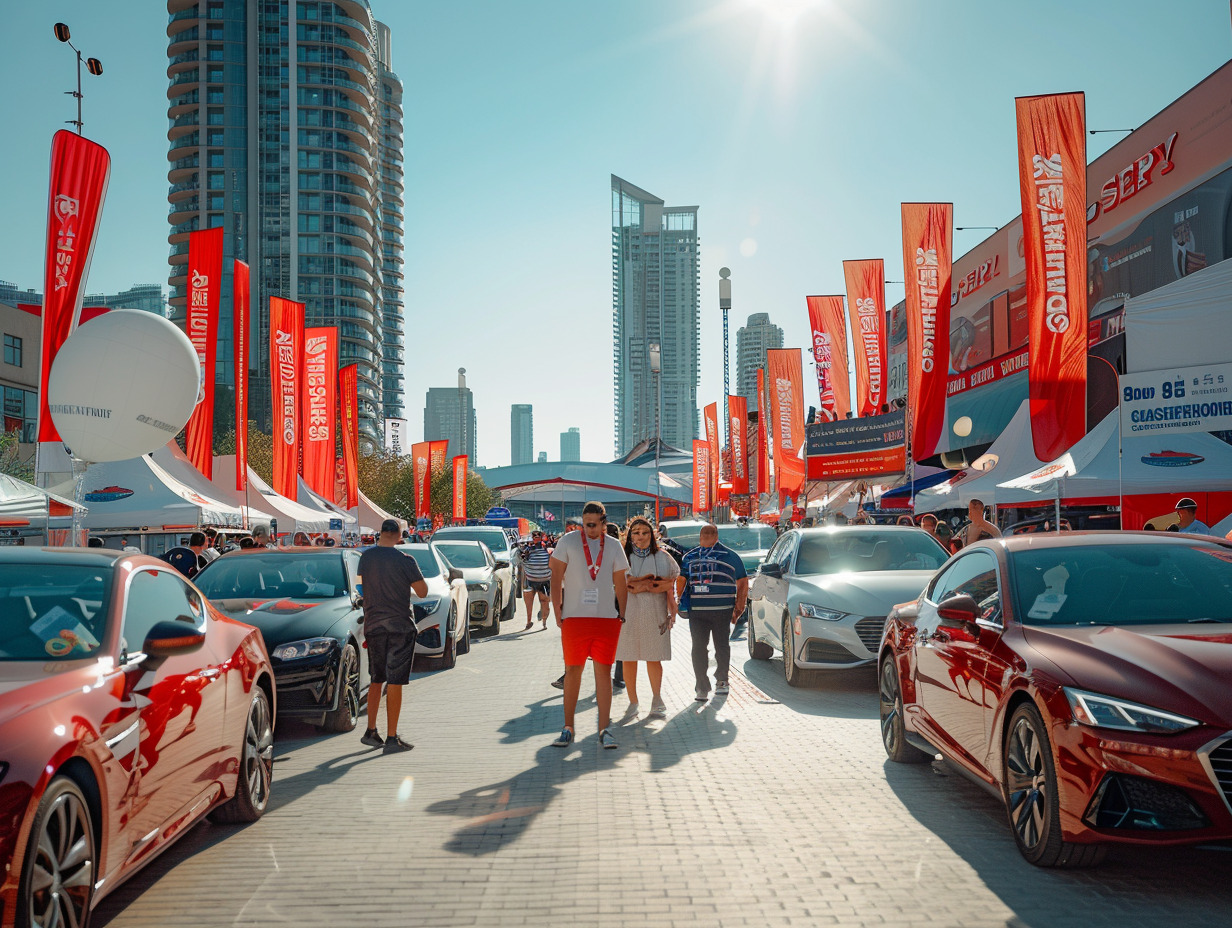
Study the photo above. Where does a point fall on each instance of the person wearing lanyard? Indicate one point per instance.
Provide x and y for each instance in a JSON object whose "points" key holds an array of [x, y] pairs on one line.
{"points": [[715, 589], [588, 597]]}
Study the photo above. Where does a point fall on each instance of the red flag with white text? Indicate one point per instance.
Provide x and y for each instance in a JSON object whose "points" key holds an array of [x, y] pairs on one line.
{"points": [[786, 417], [348, 410], [927, 249], [1052, 173], [239, 318], [737, 431], [711, 413], [421, 453], [763, 444], [866, 310], [829, 326], [701, 476], [320, 382], [286, 376], [459, 488], [201, 322]]}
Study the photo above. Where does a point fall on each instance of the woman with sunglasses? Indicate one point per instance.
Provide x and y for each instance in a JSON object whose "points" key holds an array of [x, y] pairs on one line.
{"points": [[650, 613]]}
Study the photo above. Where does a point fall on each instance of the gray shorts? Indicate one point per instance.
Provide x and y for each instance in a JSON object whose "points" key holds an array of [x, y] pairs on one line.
{"points": [[390, 653]]}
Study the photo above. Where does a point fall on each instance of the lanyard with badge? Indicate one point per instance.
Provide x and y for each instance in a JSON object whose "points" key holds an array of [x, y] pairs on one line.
{"points": [[590, 597], [703, 570]]}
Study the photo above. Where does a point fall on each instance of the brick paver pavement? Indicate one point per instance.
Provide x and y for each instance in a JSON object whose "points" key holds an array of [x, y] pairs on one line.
{"points": [[771, 807]]}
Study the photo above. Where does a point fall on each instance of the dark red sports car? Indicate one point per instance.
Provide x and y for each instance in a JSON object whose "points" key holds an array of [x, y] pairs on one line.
{"points": [[129, 709], [1084, 678]]}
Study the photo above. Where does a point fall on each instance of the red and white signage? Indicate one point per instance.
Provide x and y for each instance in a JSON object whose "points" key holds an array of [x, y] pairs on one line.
{"points": [[459, 488], [830, 355], [701, 476], [711, 414], [204, 288], [348, 413], [239, 313], [927, 249], [786, 417], [763, 447], [866, 309], [320, 382], [737, 431], [286, 383], [421, 473]]}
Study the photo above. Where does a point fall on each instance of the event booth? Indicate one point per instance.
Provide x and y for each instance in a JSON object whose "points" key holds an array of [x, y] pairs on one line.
{"points": [[292, 516], [31, 516]]}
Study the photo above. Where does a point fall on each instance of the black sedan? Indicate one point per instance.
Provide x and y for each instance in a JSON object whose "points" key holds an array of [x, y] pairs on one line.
{"points": [[304, 602]]}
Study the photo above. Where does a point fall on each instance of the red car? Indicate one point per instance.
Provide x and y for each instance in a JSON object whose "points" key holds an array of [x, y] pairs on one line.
{"points": [[1083, 678], [129, 709]]}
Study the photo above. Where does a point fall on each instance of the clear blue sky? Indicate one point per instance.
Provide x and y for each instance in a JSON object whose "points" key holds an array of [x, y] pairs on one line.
{"points": [[798, 127]]}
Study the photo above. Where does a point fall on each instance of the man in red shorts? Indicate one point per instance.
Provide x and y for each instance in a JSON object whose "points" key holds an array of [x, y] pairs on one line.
{"points": [[588, 596]]}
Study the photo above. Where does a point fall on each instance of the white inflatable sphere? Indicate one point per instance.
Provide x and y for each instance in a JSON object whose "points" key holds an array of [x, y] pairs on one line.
{"points": [[122, 385]]}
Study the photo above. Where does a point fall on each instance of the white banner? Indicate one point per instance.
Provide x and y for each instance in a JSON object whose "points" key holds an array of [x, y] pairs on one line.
{"points": [[395, 436], [1185, 399]]}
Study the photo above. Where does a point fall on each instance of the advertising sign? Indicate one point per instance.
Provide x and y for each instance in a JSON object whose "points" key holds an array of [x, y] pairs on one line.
{"points": [[320, 440], [459, 488], [395, 436], [286, 384], [239, 313], [204, 287], [701, 476], [711, 414], [420, 455], [829, 330], [866, 308], [1188, 399], [927, 236], [786, 417], [737, 430], [763, 450], [348, 409], [870, 446]]}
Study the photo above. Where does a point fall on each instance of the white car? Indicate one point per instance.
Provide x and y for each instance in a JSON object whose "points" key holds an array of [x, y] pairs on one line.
{"points": [[440, 616], [822, 595], [507, 558], [478, 568]]}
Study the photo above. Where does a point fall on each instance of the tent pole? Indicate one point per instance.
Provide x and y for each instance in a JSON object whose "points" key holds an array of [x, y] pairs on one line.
{"points": [[1057, 509]]}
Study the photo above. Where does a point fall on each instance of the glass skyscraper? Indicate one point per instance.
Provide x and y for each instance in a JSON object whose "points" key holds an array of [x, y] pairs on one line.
{"points": [[286, 130], [571, 445], [655, 298], [753, 340], [521, 433], [449, 413]]}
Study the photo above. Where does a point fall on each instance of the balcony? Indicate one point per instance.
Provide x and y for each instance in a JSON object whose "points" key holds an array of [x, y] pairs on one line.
{"points": [[184, 187], [183, 208], [181, 168], [192, 140], [186, 77]]}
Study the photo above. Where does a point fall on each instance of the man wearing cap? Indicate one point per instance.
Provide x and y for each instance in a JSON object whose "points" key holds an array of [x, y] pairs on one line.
{"points": [[386, 579], [1187, 513]]}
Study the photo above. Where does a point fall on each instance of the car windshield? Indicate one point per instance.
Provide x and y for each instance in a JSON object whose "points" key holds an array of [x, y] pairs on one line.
{"points": [[265, 576], [856, 551], [495, 539], [429, 566], [1136, 583], [747, 537], [52, 611], [463, 555]]}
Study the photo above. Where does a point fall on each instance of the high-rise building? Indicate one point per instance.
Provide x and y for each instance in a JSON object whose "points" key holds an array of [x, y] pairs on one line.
{"points": [[148, 297], [449, 412], [571, 445], [543, 457], [521, 434], [655, 299], [286, 130], [753, 339]]}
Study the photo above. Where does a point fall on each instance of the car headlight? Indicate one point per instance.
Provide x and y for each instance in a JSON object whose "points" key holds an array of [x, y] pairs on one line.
{"points": [[298, 650], [428, 605], [811, 611], [483, 586], [1108, 712]]}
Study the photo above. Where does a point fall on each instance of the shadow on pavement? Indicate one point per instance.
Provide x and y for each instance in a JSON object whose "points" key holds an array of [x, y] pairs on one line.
{"points": [[1134, 885], [844, 694]]}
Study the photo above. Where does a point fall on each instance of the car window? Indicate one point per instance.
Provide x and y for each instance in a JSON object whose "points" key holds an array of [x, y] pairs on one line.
{"points": [[265, 576], [774, 555], [746, 537], [789, 548], [52, 611], [462, 555], [157, 596], [974, 574], [496, 540], [425, 557], [860, 550]]}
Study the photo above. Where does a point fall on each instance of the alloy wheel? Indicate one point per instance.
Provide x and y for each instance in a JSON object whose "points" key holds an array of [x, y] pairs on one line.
{"points": [[62, 874], [257, 766], [350, 674], [1027, 783], [891, 707]]}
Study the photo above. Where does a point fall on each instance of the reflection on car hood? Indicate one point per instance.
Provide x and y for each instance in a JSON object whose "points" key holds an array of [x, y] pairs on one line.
{"points": [[475, 574], [26, 685], [1179, 668], [873, 592], [282, 620]]}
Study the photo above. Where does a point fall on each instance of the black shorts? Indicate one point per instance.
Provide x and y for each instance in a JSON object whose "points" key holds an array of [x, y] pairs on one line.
{"points": [[390, 653], [542, 587]]}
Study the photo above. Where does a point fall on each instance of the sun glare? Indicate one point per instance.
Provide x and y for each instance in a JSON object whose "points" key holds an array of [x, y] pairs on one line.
{"points": [[785, 12]]}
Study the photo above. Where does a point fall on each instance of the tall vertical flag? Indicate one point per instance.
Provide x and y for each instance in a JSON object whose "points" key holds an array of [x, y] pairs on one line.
{"points": [[701, 476], [438, 451], [737, 431], [711, 413], [421, 453], [80, 170], [1052, 173], [459, 488], [826, 319], [286, 384], [204, 288], [348, 408], [928, 234], [866, 308], [239, 313], [763, 447], [787, 417], [320, 403]]}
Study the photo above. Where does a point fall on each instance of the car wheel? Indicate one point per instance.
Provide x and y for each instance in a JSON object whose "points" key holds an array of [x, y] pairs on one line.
{"points": [[498, 607], [791, 673], [510, 606], [58, 875], [893, 728], [758, 650], [449, 654], [1031, 799], [252, 789], [346, 716]]}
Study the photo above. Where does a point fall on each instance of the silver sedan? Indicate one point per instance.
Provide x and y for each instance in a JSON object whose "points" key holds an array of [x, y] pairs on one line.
{"points": [[822, 595], [478, 568]]}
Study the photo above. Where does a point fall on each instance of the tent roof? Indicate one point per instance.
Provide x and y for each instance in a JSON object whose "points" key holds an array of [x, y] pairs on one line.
{"points": [[292, 516], [305, 495], [1010, 456], [21, 500]]}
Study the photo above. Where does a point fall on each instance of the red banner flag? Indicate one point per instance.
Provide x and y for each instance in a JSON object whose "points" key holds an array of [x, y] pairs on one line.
{"points": [[712, 440], [459, 488], [928, 233], [204, 287], [421, 453], [348, 409], [786, 417], [763, 446], [701, 476], [239, 314], [826, 318], [437, 452], [80, 170], [737, 431], [866, 309], [320, 382], [286, 384], [1052, 172]]}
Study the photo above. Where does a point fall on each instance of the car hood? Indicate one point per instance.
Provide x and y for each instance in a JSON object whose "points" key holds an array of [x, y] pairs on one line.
{"points": [[873, 592], [283, 620], [26, 685], [751, 559], [475, 574], [1183, 669]]}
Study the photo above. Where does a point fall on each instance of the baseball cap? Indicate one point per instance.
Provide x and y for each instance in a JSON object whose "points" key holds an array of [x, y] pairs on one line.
{"points": [[391, 526], [1186, 503]]}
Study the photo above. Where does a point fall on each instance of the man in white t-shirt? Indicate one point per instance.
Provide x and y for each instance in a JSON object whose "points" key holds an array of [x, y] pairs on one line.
{"points": [[588, 597]]}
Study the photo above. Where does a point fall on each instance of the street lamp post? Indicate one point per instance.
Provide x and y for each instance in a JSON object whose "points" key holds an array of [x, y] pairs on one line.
{"points": [[725, 306], [656, 368], [93, 65]]}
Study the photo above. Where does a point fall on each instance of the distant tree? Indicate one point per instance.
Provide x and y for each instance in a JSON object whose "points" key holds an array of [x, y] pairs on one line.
{"points": [[260, 450], [479, 496], [10, 460]]}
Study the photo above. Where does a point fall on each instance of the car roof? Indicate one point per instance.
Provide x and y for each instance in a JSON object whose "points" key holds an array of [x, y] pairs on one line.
{"points": [[446, 529], [458, 541], [290, 549], [86, 557], [837, 529], [1013, 543]]}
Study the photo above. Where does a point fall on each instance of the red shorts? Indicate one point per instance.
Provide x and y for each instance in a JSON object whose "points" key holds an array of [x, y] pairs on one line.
{"points": [[585, 637]]}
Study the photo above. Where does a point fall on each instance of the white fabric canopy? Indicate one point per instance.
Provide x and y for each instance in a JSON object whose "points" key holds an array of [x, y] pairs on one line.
{"points": [[21, 500], [1182, 324], [306, 496], [291, 515], [371, 515], [1008, 457]]}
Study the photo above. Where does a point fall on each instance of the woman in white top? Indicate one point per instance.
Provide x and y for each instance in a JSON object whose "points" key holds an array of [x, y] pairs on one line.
{"points": [[649, 614]]}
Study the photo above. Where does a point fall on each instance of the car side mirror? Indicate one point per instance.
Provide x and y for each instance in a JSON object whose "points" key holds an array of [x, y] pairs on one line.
{"points": [[501, 565], [771, 570], [171, 639], [454, 574], [957, 611]]}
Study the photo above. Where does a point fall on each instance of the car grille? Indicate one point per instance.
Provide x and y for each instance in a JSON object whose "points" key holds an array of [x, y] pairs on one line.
{"points": [[870, 629], [479, 609], [827, 652], [1221, 766]]}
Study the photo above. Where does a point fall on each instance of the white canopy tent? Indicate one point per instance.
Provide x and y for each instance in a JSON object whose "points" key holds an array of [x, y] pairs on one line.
{"points": [[1181, 324], [27, 510], [292, 516], [1008, 457], [171, 459], [371, 515], [309, 498]]}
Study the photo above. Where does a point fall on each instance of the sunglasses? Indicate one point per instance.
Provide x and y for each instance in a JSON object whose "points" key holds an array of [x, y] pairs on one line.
{"points": [[592, 524]]}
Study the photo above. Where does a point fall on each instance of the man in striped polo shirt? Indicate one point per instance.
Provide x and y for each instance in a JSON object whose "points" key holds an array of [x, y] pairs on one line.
{"points": [[536, 576], [715, 589]]}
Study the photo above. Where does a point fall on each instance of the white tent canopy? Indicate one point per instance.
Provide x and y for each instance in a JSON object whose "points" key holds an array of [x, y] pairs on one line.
{"points": [[171, 459], [1181, 324], [371, 515], [21, 500], [291, 515], [309, 498], [1008, 457]]}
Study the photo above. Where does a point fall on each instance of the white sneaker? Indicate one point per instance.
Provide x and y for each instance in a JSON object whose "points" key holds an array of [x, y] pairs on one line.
{"points": [[720, 689]]}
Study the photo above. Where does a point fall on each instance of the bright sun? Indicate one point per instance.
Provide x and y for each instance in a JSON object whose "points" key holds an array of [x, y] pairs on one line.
{"points": [[785, 12]]}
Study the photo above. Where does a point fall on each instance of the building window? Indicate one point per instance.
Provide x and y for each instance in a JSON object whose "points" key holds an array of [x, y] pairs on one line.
{"points": [[12, 350]]}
